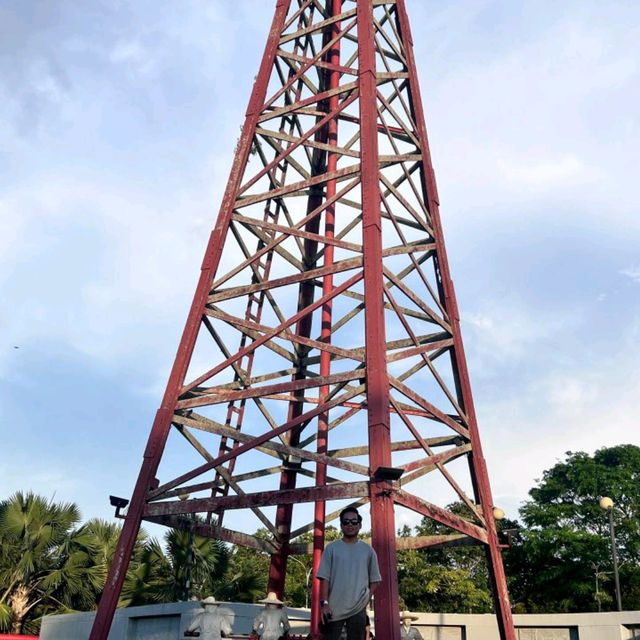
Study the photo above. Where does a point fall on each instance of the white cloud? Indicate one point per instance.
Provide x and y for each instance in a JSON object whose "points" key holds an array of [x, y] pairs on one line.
{"points": [[525, 173], [126, 275], [550, 113], [508, 330], [135, 56], [632, 272], [100, 249], [579, 407]]}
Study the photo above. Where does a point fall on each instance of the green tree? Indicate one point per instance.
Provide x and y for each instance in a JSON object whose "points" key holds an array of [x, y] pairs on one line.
{"points": [[565, 541], [449, 579], [427, 585], [100, 539], [48, 565], [164, 570], [41, 563], [246, 577]]}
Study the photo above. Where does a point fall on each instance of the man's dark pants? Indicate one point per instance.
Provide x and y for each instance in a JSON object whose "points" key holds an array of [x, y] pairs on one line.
{"points": [[355, 625]]}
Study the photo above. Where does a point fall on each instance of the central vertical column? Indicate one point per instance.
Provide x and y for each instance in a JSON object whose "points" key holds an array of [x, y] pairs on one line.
{"points": [[326, 328], [382, 514], [322, 162]]}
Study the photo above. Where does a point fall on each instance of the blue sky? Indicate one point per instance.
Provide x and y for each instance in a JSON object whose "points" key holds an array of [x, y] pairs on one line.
{"points": [[118, 122]]}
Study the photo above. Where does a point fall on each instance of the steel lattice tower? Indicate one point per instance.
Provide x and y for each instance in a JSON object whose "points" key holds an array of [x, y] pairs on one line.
{"points": [[322, 354]]}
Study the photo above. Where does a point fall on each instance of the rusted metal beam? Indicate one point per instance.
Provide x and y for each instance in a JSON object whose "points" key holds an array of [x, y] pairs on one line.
{"points": [[282, 449], [262, 498], [217, 395], [252, 444], [212, 531], [439, 514], [162, 422]]}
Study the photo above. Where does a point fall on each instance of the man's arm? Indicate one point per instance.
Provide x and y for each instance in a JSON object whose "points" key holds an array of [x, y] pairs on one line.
{"points": [[374, 572], [325, 609], [225, 628], [324, 589], [324, 574]]}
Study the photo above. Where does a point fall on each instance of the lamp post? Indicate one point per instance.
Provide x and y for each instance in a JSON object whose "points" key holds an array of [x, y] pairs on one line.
{"points": [[596, 569], [606, 504], [186, 590], [307, 574]]}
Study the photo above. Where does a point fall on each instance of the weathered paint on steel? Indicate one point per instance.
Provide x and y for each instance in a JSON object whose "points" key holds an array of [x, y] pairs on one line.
{"points": [[326, 175], [162, 422]]}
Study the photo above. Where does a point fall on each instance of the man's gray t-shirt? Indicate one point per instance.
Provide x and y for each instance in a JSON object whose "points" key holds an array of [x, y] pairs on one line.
{"points": [[349, 568]]}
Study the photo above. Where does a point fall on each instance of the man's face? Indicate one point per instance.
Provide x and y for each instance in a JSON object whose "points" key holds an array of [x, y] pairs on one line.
{"points": [[350, 524]]}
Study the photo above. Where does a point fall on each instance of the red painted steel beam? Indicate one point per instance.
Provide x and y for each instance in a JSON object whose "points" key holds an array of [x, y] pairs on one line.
{"points": [[305, 311], [212, 531], [434, 460], [263, 498], [319, 513], [312, 214], [327, 101], [258, 440], [162, 422], [440, 515], [336, 108], [479, 469], [310, 62], [225, 395], [379, 422]]}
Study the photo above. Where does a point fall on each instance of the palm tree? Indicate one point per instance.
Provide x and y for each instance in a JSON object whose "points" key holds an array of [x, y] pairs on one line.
{"points": [[188, 565], [98, 540], [37, 559], [197, 563], [242, 585], [246, 578]]}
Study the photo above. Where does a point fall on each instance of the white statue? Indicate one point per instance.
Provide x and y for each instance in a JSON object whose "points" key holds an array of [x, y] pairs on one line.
{"points": [[272, 622], [213, 622], [407, 632]]}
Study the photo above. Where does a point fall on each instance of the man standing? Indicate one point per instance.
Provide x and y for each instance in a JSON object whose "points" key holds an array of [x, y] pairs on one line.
{"points": [[349, 574]]}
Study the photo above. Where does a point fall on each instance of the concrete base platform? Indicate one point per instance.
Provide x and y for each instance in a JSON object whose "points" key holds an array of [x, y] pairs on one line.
{"points": [[564, 626], [169, 621], [158, 622]]}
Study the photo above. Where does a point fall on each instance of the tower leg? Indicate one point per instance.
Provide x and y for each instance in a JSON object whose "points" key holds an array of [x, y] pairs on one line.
{"points": [[478, 467], [382, 510], [162, 422]]}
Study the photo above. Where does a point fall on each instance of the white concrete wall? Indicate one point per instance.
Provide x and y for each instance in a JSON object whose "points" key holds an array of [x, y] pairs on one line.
{"points": [[168, 622], [564, 626], [156, 622]]}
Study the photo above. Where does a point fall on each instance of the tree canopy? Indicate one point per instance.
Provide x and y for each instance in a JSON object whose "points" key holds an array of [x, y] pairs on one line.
{"points": [[564, 543], [559, 558], [41, 560]]}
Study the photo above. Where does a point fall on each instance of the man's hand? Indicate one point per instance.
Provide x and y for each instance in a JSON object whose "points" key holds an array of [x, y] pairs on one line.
{"points": [[326, 612]]}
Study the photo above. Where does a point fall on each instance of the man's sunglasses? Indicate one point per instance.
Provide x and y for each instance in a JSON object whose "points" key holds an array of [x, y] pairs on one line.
{"points": [[353, 521]]}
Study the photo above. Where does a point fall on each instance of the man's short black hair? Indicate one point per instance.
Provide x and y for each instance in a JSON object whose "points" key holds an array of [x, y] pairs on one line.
{"points": [[350, 510]]}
